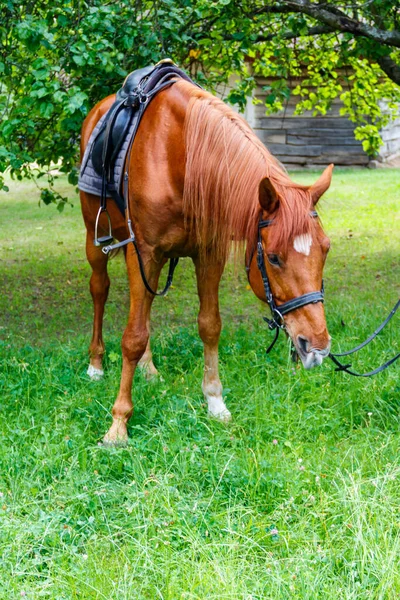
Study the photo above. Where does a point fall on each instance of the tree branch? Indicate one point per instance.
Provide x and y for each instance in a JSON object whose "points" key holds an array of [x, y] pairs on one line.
{"points": [[390, 67], [290, 35], [335, 19]]}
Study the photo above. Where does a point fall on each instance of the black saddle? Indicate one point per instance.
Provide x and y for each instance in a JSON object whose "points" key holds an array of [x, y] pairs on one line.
{"points": [[131, 101]]}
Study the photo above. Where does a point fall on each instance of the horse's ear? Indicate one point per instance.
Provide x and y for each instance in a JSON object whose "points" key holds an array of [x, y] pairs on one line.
{"points": [[269, 198], [321, 185]]}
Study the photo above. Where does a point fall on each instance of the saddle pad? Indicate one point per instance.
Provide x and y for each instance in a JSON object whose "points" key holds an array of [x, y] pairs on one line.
{"points": [[90, 181]]}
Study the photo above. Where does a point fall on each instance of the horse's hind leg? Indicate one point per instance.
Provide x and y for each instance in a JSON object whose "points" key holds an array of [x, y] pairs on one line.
{"points": [[99, 286], [209, 320]]}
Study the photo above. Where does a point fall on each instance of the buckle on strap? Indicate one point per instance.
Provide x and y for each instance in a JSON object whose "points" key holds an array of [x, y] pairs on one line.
{"points": [[277, 321]]}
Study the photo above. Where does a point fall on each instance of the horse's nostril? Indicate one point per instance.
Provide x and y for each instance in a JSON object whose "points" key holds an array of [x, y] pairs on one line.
{"points": [[303, 343]]}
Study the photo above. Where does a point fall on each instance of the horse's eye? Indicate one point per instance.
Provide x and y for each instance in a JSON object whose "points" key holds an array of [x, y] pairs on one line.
{"points": [[273, 259]]}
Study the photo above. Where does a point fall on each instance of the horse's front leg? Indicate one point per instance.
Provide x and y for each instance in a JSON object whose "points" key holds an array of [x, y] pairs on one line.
{"points": [[134, 341], [209, 320], [99, 287]]}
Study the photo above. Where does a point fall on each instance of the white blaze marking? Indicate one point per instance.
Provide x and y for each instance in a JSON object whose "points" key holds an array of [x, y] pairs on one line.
{"points": [[302, 243]]}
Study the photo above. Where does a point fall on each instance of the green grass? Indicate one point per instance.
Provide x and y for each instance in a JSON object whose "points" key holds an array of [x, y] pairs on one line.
{"points": [[188, 510]]}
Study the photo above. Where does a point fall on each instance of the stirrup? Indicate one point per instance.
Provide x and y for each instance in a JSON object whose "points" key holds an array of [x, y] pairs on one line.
{"points": [[105, 239]]}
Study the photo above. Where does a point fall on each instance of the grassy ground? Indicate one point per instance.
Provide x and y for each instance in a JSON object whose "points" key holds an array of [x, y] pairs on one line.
{"points": [[299, 498]]}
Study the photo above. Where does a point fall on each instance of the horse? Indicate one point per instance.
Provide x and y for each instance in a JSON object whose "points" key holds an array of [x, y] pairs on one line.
{"points": [[200, 180]]}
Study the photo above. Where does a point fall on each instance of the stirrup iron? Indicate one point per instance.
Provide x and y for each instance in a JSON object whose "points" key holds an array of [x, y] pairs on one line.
{"points": [[105, 239]]}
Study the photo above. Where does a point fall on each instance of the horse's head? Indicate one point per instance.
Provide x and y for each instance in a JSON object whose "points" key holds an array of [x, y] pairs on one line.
{"points": [[293, 250]]}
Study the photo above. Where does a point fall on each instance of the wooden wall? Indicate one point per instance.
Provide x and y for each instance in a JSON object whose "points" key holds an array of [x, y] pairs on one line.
{"points": [[306, 140]]}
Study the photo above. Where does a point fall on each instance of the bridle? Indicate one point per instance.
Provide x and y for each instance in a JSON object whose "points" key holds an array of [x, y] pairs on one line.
{"points": [[279, 311]]}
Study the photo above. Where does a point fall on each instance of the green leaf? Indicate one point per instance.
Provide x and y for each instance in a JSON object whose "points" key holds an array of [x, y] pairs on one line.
{"points": [[46, 109], [76, 101], [79, 59], [47, 196]]}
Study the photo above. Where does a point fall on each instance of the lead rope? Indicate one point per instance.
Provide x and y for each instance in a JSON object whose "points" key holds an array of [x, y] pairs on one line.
{"points": [[346, 368]]}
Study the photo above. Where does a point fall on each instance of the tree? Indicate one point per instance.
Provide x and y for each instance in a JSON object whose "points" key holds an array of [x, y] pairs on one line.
{"points": [[58, 59]]}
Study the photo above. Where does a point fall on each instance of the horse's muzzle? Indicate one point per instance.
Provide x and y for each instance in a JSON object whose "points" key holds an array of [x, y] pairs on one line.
{"points": [[310, 357]]}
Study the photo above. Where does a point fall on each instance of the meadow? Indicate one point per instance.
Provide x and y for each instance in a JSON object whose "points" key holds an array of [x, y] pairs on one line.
{"points": [[298, 498]]}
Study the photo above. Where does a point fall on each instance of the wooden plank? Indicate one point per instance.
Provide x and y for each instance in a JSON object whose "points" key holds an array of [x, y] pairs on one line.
{"points": [[271, 136], [315, 132], [323, 158], [302, 123], [343, 150], [285, 149], [338, 140], [352, 159], [315, 150], [295, 160]]}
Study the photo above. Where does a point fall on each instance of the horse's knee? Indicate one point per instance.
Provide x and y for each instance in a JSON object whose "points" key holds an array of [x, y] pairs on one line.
{"points": [[209, 327], [134, 342]]}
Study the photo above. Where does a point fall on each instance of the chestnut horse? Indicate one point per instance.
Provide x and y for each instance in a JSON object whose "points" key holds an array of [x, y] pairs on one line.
{"points": [[200, 178]]}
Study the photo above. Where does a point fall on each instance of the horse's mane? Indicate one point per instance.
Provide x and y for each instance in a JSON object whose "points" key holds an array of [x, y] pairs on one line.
{"points": [[225, 163]]}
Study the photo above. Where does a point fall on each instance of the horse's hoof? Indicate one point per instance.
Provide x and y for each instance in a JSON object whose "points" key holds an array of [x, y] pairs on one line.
{"points": [[217, 409], [224, 415], [119, 443], [117, 435], [95, 374]]}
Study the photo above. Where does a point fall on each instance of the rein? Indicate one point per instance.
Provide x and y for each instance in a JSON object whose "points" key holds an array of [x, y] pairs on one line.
{"points": [[278, 311], [346, 368]]}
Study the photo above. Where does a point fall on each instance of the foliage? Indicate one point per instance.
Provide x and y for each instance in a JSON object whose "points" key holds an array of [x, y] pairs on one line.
{"points": [[298, 498], [58, 59]]}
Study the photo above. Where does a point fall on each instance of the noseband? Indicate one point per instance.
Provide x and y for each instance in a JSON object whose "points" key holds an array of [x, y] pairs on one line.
{"points": [[279, 311]]}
